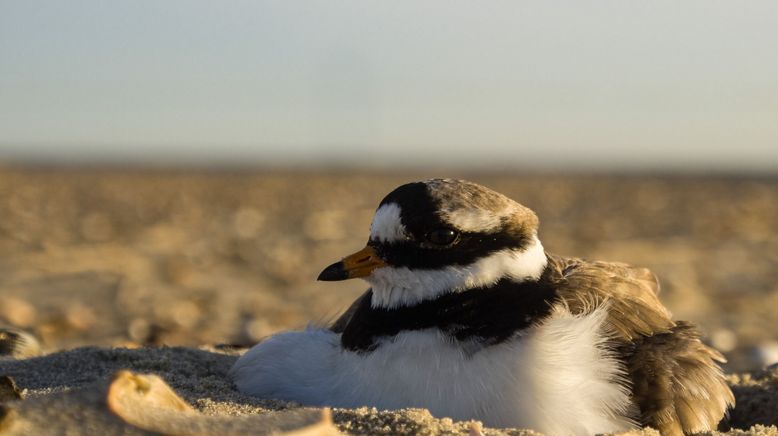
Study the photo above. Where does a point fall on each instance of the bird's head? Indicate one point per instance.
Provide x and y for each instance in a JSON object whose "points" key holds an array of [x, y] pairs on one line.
{"points": [[442, 235]]}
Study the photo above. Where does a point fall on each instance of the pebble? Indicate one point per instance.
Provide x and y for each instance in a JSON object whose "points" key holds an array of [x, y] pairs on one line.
{"points": [[258, 329], [185, 314], [724, 340], [80, 317], [139, 330], [247, 222], [17, 312], [765, 354]]}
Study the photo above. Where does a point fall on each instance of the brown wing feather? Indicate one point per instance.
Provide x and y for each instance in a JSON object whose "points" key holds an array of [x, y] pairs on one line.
{"points": [[676, 380], [677, 383], [635, 309]]}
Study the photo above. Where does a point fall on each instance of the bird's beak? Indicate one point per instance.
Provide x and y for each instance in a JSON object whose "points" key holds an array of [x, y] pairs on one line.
{"points": [[359, 264]]}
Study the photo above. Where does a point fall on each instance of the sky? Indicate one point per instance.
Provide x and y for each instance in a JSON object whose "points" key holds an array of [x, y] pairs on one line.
{"points": [[512, 84]]}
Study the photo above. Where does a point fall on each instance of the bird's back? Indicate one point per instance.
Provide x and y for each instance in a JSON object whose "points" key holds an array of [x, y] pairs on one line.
{"points": [[676, 380]]}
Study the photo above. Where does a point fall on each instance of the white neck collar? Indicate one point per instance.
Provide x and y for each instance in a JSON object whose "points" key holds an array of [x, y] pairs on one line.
{"points": [[395, 287]]}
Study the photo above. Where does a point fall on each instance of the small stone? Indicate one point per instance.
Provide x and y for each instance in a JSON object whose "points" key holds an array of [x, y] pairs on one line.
{"points": [[257, 329], [724, 340], [139, 330], [17, 311], [247, 222], [80, 317], [185, 314], [476, 428], [765, 354]]}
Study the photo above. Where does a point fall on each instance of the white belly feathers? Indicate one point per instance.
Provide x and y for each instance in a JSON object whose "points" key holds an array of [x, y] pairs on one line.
{"points": [[557, 377]]}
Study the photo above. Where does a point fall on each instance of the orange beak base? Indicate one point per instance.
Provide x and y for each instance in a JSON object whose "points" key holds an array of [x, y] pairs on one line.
{"points": [[359, 264]]}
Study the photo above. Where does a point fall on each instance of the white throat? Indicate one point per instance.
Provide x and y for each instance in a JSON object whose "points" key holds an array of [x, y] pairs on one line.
{"points": [[395, 287]]}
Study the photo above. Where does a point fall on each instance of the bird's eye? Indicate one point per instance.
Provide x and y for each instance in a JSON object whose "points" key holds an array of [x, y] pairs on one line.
{"points": [[442, 236]]}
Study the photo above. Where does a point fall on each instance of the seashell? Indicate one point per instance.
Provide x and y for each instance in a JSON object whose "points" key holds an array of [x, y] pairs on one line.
{"points": [[145, 401]]}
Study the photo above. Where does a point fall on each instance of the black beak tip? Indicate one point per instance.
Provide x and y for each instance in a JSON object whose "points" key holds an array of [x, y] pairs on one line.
{"points": [[333, 273]]}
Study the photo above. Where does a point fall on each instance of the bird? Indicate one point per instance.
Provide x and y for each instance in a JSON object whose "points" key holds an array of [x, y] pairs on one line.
{"points": [[468, 316]]}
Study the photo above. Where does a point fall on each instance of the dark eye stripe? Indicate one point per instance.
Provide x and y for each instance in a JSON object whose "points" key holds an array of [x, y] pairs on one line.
{"points": [[470, 248]]}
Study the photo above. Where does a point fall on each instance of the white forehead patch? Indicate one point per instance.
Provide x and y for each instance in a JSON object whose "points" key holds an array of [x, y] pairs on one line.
{"points": [[387, 225]]}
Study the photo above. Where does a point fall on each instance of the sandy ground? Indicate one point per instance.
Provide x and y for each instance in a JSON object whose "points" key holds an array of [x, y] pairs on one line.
{"points": [[145, 258], [71, 391]]}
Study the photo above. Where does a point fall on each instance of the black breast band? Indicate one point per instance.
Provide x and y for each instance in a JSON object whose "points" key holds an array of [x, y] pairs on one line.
{"points": [[491, 314]]}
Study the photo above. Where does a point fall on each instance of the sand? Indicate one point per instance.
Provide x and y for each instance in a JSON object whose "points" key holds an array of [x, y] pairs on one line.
{"points": [[110, 258], [178, 390]]}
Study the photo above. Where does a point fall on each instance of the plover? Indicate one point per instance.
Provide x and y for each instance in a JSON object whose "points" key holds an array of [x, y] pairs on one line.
{"points": [[469, 317]]}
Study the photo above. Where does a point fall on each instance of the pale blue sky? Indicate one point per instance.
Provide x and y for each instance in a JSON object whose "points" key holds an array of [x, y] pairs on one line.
{"points": [[545, 84]]}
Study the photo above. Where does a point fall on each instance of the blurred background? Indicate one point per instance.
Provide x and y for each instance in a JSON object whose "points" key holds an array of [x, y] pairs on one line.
{"points": [[179, 172]]}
